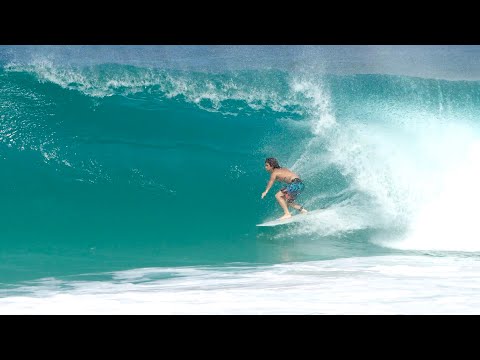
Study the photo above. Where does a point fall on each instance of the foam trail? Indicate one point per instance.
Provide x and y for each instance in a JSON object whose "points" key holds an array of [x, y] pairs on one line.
{"points": [[365, 285]]}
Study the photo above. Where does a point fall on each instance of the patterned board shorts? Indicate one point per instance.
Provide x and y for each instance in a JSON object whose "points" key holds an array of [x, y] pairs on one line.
{"points": [[293, 189]]}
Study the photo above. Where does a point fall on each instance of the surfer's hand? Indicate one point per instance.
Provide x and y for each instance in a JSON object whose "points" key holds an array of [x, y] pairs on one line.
{"points": [[264, 194]]}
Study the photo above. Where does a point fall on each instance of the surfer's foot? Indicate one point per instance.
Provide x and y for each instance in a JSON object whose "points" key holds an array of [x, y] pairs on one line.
{"points": [[286, 216], [303, 211]]}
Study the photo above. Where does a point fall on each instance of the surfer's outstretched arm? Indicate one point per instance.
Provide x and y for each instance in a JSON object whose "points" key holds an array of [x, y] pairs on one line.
{"points": [[270, 184]]}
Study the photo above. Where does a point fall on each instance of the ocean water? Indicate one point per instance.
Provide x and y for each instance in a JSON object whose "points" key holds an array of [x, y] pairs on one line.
{"points": [[132, 179]]}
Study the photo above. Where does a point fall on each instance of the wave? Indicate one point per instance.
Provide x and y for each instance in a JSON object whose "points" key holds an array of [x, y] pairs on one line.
{"points": [[149, 146]]}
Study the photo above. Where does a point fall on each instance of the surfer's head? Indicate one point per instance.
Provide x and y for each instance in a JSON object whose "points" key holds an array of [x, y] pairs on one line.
{"points": [[271, 163]]}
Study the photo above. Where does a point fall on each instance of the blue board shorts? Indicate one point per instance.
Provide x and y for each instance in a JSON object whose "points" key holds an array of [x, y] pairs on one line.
{"points": [[293, 189]]}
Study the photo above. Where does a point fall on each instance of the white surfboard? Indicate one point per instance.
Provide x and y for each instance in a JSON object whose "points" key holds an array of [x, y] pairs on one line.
{"points": [[294, 218]]}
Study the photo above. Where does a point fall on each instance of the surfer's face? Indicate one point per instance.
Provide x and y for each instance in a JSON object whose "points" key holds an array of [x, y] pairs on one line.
{"points": [[268, 167]]}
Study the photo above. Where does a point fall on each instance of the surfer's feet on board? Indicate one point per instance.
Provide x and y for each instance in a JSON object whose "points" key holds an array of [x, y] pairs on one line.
{"points": [[286, 216]]}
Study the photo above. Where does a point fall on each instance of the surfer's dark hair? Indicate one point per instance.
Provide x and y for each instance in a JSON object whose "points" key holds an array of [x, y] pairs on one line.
{"points": [[272, 162]]}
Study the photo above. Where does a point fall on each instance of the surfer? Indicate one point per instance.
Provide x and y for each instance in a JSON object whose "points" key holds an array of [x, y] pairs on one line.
{"points": [[287, 195]]}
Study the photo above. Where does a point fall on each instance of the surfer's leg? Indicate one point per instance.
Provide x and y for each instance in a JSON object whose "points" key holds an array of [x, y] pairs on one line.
{"points": [[297, 207], [283, 203]]}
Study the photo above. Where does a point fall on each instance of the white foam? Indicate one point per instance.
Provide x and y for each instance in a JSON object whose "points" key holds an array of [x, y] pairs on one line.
{"points": [[449, 221], [411, 169], [366, 285]]}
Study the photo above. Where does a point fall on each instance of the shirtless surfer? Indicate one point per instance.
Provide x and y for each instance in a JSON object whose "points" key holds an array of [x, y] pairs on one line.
{"points": [[287, 195]]}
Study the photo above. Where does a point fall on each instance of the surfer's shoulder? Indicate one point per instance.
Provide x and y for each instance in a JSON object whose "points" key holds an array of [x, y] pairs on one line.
{"points": [[276, 172]]}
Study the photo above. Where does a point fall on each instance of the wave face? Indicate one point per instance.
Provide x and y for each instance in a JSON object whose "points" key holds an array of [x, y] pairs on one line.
{"points": [[110, 165]]}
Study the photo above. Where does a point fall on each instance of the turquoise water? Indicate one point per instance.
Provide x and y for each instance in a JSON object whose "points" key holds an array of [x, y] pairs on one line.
{"points": [[111, 166]]}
